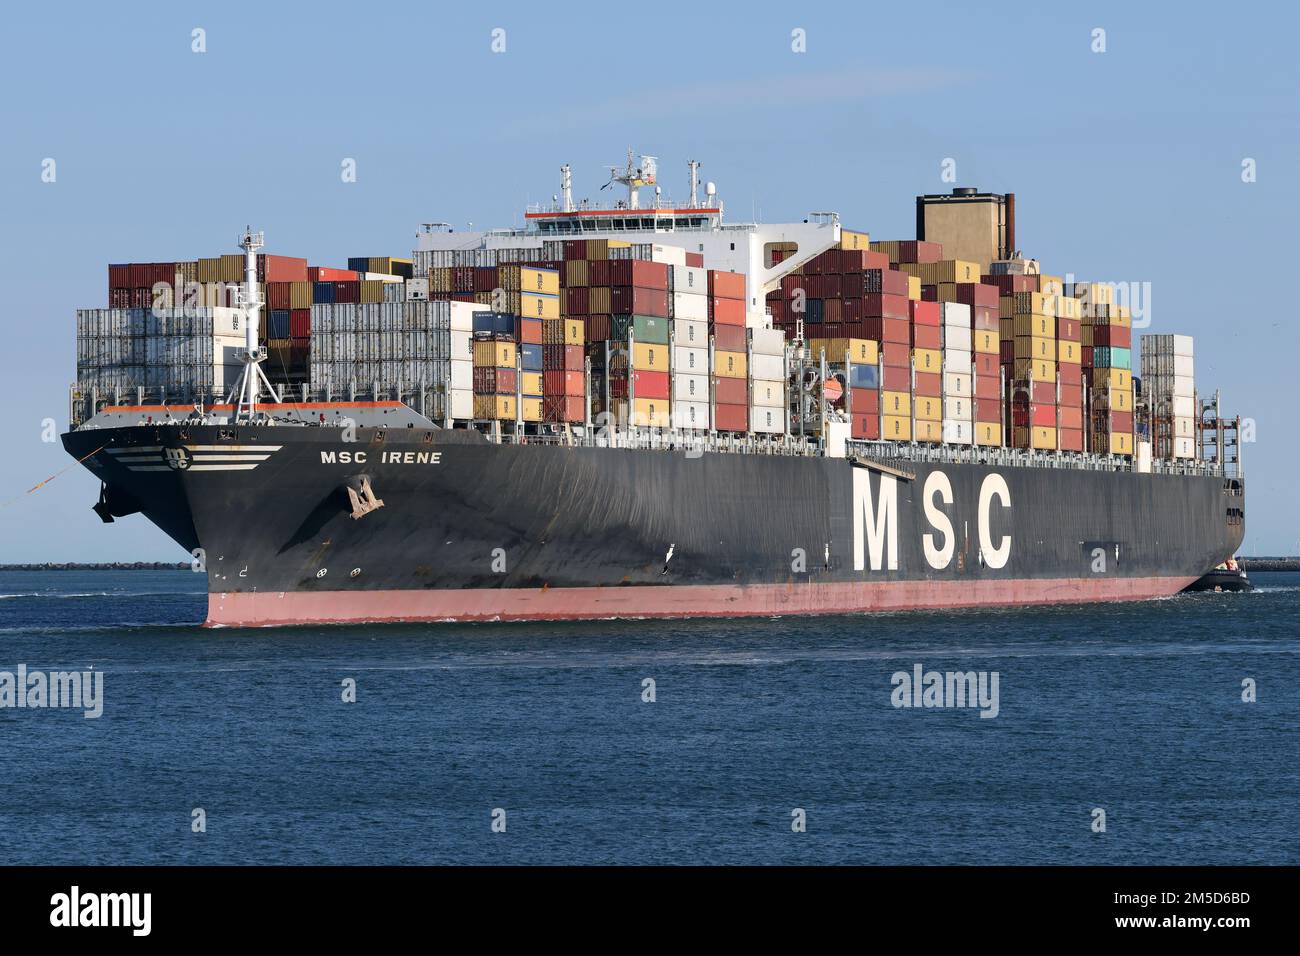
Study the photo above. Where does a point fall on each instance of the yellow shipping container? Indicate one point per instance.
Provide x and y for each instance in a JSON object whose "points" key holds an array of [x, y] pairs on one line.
{"points": [[440, 279], [1040, 437], [928, 409], [1006, 306], [1034, 303], [1067, 308], [545, 281], [914, 288], [946, 292], [209, 270], [729, 364], [232, 268], [854, 240], [300, 295], [927, 360], [1043, 326], [945, 270], [1040, 370], [1069, 352], [988, 433], [888, 247], [489, 354], [896, 403], [372, 290], [530, 408], [1051, 285], [929, 430], [575, 331], [859, 351], [598, 300], [533, 305], [986, 341], [189, 271], [650, 412], [494, 406], [1035, 347], [575, 273], [1120, 378], [651, 357], [896, 428], [1118, 443], [530, 383]]}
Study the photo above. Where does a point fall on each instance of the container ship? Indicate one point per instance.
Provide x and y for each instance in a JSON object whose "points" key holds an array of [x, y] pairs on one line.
{"points": [[636, 409]]}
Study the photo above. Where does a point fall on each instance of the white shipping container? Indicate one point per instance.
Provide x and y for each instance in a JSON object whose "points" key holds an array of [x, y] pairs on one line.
{"points": [[955, 314], [1184, 428], [957, 409], [686, 414], [957, 431], [767, 394], [690, 361], [767, 341], [690, 388], [462, 375], [689, 280], [957, 384], [690, 334], [767, 421], [957, 339], [689, 306], [673, 255], [417, 289], [1184, 406], [462, 404], [1184, 448], [767, 367], [462, 315]]}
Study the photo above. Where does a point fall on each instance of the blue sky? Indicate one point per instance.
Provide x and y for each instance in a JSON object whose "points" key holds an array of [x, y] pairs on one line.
{"points": [[1126, 164]]}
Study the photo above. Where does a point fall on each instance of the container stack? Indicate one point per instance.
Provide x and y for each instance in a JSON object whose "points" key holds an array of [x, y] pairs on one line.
{"points": [[858, 360], [958, 385], [528, 336], [495, 384], [688, 302], [187, 354], [726, 312], [1029, 362], [1169, 388], [647, 336], [564, 375], [459, 402], [1069, 370], [767, 378], [927, 370]]}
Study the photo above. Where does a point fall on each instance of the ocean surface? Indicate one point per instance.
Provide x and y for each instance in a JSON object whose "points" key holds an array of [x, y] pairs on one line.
{"points": [[1134, 709]]}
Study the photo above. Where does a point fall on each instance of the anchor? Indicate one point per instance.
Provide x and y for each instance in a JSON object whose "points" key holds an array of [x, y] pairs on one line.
{"points": [[362, 496]]}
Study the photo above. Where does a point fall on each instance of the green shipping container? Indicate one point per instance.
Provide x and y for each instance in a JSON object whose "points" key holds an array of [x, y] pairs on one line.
{"points": [[650, 329]]}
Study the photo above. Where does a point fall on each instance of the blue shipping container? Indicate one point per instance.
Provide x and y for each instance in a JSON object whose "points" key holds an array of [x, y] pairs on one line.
{"points": [[1104, 356], [864, 376], [497, 323], [278, 327], [530, 358], [322, 292]]}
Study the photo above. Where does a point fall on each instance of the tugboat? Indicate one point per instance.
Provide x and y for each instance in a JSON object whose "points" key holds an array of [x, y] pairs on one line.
{"points": [[1229, 576]]}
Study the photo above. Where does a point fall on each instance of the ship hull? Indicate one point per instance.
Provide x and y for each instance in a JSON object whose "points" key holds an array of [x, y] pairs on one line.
{"points": [[471, 530]]}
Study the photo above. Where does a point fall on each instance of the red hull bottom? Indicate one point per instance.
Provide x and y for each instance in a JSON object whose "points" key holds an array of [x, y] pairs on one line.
{"points": [[254, 609]]}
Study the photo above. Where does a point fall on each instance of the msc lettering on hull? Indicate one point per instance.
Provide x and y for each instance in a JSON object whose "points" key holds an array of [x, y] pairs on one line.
{"points": [[385, 458], [875, 521]]}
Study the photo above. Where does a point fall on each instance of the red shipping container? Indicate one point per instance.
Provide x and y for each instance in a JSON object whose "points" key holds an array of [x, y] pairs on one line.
{"points": [[832, 311], [731, 417], [638, 272], [897, 378], [695, 260], [987, 364], [726, 285], [1044, 393], [929, 384], [528, 331], [887, 306], [277, 294], [976, 293], [1069, 416], [924, 313], [725, 311], [485, 278], [1071, 395], [984, 319], [347, 292], [1007, 351], [326, 274], [1086, 352], [631, 300], [926, 337], [1069, 439], [864, 400], [281, 269], [987, 410], [119, 276], [562, 408], [864, 426], [914, 250], [1069, 373], [1113, 336], [988, 387], [300, 323], [599, 327], [1068, 330], [898, 354], [730, 391], [575, 249], [494, 381], [898, 331], [729, 338], [929, 293], [575, 300], [562, 358], [1009, 285], [650, 384], [1117, 421], [860, 260]]}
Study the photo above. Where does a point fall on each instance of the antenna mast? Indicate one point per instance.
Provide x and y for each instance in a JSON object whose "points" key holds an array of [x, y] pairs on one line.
{"points": [[244, 394], [634, 177], [566, 188]]}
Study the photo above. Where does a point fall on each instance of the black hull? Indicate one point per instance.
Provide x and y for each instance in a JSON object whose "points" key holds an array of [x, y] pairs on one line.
{"points": [[471, 529]]}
